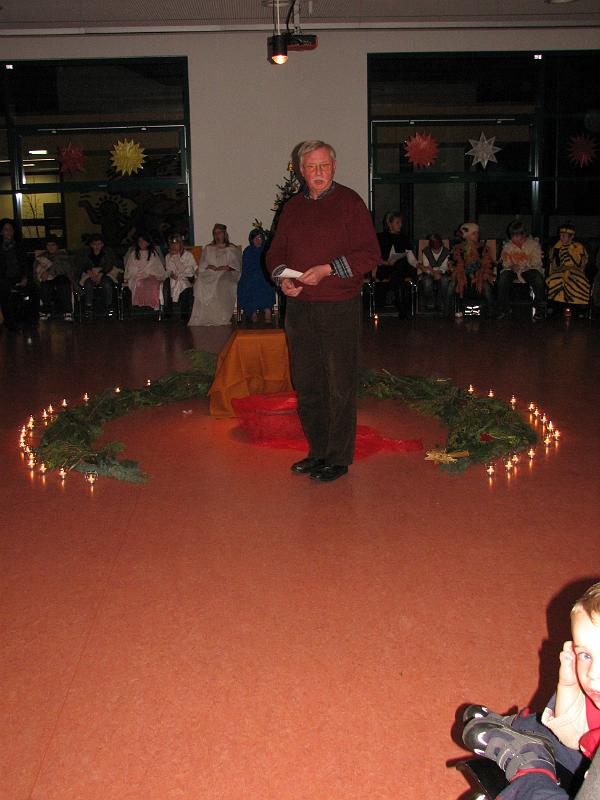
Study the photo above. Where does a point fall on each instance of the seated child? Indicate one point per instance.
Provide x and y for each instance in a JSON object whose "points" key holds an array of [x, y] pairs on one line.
{"points": [[434, 271], [567, 282], [528, 750], [521, 259], [575, 718], [53, 273], [474, 267]]}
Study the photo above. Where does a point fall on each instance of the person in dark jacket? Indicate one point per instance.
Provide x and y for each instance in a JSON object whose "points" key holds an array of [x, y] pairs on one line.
{"points": [[15, 277]]}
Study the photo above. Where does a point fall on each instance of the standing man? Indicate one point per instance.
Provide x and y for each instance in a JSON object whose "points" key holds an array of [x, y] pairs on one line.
{"points": [[326, 235]]}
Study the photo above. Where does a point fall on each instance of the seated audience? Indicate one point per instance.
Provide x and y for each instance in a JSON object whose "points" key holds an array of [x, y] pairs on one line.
{"points": [[98, 266], [435, 274], [398, 266], [567, 282], [521, 259], [215, 288], [53, 273], [15, 276], [181, 268], [255, 292], [473, 268], [145, 273]]}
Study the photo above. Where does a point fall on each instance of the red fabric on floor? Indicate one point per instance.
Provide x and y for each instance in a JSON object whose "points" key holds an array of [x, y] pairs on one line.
{"points": [[271, 420]]}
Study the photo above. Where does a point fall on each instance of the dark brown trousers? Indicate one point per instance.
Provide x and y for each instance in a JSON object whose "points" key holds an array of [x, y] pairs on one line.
{"points": [[323, 341]]}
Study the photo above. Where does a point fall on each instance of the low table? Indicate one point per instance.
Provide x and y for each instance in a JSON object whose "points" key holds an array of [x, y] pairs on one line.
{"points": [[252, 362]]}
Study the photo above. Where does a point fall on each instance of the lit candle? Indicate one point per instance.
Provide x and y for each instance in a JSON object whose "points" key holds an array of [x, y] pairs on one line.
{"points": [[536, 412], [30, 423], [50, 409], [91, 477], [148, 382], [513, 401], [44, 414], [376, 317], [547, 440], [515, 459], [31, 461], [544, 419], [63, 473], [531, 407], [491, 393], [117, 390], [86, 397], [550, 426], [509, 465], [470, 390], [43, 468], [531, 452], [64, 402]]}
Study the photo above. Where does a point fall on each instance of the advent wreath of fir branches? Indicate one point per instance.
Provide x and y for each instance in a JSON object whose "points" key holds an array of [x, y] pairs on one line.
{"points": [[480, 429]]}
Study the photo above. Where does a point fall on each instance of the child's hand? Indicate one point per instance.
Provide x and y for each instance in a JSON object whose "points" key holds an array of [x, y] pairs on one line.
{"points": [[567, 675]]}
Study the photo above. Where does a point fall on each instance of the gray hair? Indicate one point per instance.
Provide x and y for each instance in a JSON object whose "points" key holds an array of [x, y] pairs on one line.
{"points": [[314, 144]]}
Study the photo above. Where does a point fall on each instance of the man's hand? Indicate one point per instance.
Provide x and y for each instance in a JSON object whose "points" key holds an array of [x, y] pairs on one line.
{"points": [[567, 674], [289, 288], [315, 275]]}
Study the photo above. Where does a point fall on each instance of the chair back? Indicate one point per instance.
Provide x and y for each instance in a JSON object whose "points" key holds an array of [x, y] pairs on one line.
{"points": [[196, 251]]}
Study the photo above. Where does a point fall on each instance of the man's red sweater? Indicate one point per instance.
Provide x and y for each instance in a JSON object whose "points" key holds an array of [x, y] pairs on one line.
{"points": [[335, 229]]}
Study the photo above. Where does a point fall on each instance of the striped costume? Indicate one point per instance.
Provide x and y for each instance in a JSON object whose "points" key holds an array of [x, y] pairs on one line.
{"points": [[567, 282]]}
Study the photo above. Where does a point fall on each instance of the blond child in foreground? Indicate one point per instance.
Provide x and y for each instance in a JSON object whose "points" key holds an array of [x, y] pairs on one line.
{"points": [[575, 719]]}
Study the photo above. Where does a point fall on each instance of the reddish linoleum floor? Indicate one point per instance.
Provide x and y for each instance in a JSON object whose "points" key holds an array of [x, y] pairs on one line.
{"points": [[230, 630]]}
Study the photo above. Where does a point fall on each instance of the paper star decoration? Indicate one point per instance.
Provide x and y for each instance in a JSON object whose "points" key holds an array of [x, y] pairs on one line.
{"points": [[71, 159], [127, 157], [421, 149], [582, 150], [483, 150]]}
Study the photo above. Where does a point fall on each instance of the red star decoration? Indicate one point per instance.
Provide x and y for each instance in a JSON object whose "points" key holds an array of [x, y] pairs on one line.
{"points": [[421, 149], [71, 159], [582, 150]]}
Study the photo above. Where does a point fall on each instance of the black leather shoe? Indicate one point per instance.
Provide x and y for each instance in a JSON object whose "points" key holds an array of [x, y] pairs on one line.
{"points": [[329, 472], [307, 465]]}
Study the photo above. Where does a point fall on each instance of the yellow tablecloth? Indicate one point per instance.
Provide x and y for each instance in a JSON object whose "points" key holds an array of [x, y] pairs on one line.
{"points": [[252, 362]]}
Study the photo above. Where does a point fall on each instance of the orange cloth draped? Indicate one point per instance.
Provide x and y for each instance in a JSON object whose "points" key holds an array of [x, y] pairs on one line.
{"points": [[252, 362]]}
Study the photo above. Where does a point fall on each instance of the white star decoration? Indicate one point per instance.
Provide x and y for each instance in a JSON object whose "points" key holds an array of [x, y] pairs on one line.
{"points": [[483, 150]]}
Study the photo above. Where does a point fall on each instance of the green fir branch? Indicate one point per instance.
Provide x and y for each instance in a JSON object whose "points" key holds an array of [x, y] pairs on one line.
{"points": [[69, 440], [467, 417]]}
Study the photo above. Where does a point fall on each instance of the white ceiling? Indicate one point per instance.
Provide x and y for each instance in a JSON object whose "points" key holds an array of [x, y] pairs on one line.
{"points": [[43, 17]]}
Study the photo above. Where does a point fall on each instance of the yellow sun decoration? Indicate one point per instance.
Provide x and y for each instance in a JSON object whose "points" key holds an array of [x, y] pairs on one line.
{"points": [[127, 157]]}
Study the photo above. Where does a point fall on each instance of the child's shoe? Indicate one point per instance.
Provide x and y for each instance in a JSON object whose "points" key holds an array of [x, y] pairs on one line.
{"points": [[483, 712], [513, 751]]}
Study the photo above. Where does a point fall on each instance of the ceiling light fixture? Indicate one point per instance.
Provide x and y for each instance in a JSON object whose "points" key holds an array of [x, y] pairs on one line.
{"points": [[288, 39], [277, 48], [277, 44]]}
